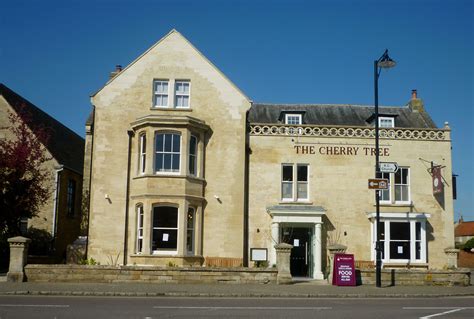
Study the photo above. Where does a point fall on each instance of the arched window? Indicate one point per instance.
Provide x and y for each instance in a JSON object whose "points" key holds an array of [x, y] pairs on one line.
{"points": [[139, 241], [167, 152], [190, 226], [142, 150], [165, 229]]}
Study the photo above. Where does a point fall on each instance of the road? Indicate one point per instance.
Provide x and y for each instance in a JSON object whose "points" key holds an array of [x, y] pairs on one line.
{"points": [[150, 308]]}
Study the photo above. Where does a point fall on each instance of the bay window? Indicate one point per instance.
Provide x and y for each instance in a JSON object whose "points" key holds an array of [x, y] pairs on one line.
{"points": [[193, 141], [190, 225], [165, 229], [142, 159], [403, 241], [140, 219], [167, 152]]}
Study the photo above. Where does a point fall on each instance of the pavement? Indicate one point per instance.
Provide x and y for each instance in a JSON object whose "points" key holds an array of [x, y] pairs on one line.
{"points": [[297, 290]]}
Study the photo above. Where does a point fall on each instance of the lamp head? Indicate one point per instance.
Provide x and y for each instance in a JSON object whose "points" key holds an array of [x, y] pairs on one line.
{"points": [[385, 62]]}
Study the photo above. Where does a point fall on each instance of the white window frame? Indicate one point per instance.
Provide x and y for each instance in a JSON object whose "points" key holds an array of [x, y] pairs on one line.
{"points": [[191, 228], [165, 252], [142, 153], [294, 182], [385, 119], [387, 176], [161, 94], [192, 158], [180, 153], [140, 229], [395, 185], [412, 241], [182, 94], [290, 116]]}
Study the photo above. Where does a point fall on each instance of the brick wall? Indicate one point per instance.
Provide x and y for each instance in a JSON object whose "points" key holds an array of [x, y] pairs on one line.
{"points": [[466, 259]]}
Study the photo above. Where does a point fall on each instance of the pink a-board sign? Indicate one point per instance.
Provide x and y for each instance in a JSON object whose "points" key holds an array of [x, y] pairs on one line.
{"points": [[344, 273]]}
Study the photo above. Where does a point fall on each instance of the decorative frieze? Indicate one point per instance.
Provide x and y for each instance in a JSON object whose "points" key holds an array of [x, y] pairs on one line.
{"points": [[349, 132]]}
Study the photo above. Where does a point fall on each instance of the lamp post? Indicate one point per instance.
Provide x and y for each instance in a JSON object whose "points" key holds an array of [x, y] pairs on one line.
{"points": [[384, 62]]}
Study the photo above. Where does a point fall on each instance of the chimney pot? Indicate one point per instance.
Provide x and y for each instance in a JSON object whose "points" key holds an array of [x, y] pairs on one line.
{"points": [[414, 94], [118, 68]]}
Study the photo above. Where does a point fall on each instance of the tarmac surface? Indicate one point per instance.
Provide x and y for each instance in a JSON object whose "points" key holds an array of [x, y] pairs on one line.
{"points": [[297, 290]]}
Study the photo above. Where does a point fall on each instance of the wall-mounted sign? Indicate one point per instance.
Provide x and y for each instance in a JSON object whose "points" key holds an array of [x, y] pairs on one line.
{"points": [[378, 183], [258, 254], [437, 180], [339, 150], [344, 273], [388, 167]]}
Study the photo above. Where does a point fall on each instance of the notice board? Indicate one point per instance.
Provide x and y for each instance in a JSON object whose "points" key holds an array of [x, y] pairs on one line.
{"points": [[344, 273]]}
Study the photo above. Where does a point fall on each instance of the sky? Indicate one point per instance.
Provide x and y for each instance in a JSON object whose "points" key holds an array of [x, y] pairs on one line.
{"points": [[57, 53]]}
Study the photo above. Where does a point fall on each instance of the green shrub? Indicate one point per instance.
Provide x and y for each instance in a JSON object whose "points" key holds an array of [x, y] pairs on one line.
{"points": [[90, 261], [469, 244]]}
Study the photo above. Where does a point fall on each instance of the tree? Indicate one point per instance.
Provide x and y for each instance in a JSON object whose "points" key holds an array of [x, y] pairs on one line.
{"points": [[23, 176]]}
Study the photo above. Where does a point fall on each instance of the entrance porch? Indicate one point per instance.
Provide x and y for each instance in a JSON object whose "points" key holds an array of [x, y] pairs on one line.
{"points": [[299, 226]]}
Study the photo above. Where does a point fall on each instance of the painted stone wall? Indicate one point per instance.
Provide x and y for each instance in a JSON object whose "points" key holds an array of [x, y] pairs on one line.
{"points": [[128, 98], [339, 183]]}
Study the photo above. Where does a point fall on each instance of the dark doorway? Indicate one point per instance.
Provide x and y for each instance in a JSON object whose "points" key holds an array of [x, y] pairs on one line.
{"points": [[300, 258]]}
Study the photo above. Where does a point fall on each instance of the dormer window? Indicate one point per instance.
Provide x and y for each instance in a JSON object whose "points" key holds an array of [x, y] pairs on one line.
{"points": [[293, 119], [386, 122]]}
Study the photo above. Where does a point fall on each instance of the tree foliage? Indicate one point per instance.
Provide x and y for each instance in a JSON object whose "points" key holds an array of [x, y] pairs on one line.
{"points": [[23, 177]]}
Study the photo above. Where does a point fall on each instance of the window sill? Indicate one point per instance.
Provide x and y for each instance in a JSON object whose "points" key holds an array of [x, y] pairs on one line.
{"points": [[190, 177], [167, 108], [396, 204], [405, 265], [163, 255], [300, 202]]}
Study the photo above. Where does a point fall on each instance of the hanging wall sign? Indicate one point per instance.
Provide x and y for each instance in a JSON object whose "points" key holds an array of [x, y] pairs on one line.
{"points": [[437, 180]]}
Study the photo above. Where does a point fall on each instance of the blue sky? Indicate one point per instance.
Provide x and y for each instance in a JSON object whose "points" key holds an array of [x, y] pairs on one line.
{"points": [[56, 54]]}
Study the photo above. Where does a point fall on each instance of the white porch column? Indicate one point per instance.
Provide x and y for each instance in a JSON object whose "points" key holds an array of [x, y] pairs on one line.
{"points": [[275, 240], [317, 273]]}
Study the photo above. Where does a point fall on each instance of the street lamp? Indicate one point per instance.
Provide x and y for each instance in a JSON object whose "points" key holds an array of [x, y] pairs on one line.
{"points": [[384, 62]]}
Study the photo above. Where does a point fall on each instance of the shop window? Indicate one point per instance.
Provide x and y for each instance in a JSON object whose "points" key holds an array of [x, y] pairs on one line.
{"points": [[294, 191], [193, 141], [71, 197], [190, 226], [142, 147], [403, 241], [165, 229], [182, 90], [140, 219], [167, 152], [160, 88]]}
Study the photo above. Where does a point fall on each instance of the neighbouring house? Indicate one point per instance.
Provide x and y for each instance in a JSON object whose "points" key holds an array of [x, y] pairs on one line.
{"points": [[185, 169], [58, 221], [463, 231]]}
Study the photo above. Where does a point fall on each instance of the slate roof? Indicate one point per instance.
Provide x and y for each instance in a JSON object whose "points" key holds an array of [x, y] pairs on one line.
{"points": [[349, 115], [64, 145], [464, 229]]}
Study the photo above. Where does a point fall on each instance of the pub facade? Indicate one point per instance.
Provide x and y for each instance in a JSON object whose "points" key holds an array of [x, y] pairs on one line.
{"points": [[186, 170]]}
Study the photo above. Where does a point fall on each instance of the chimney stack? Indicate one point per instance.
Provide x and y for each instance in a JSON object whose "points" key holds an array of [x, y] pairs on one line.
{"points": [[118, 69], [415, 103]]}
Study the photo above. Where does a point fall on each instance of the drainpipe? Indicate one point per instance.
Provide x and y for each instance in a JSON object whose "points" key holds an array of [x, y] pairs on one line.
{"points": [[127, 195], [57, 182], [246, 192]]}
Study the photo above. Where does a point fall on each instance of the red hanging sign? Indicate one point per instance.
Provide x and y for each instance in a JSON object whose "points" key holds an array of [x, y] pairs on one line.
{"points": [[438, 185]]}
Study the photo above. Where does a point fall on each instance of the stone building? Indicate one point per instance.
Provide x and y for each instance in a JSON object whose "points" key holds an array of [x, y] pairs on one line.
{"points": [[186, 170], [60, 215]]}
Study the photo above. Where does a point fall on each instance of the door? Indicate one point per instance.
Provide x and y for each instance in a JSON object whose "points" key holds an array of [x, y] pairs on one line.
{"points": [[300, 258]]}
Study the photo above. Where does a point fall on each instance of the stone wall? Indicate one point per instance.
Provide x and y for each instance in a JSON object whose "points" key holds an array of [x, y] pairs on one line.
{"points": [[111, 274], [405, 277]]}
